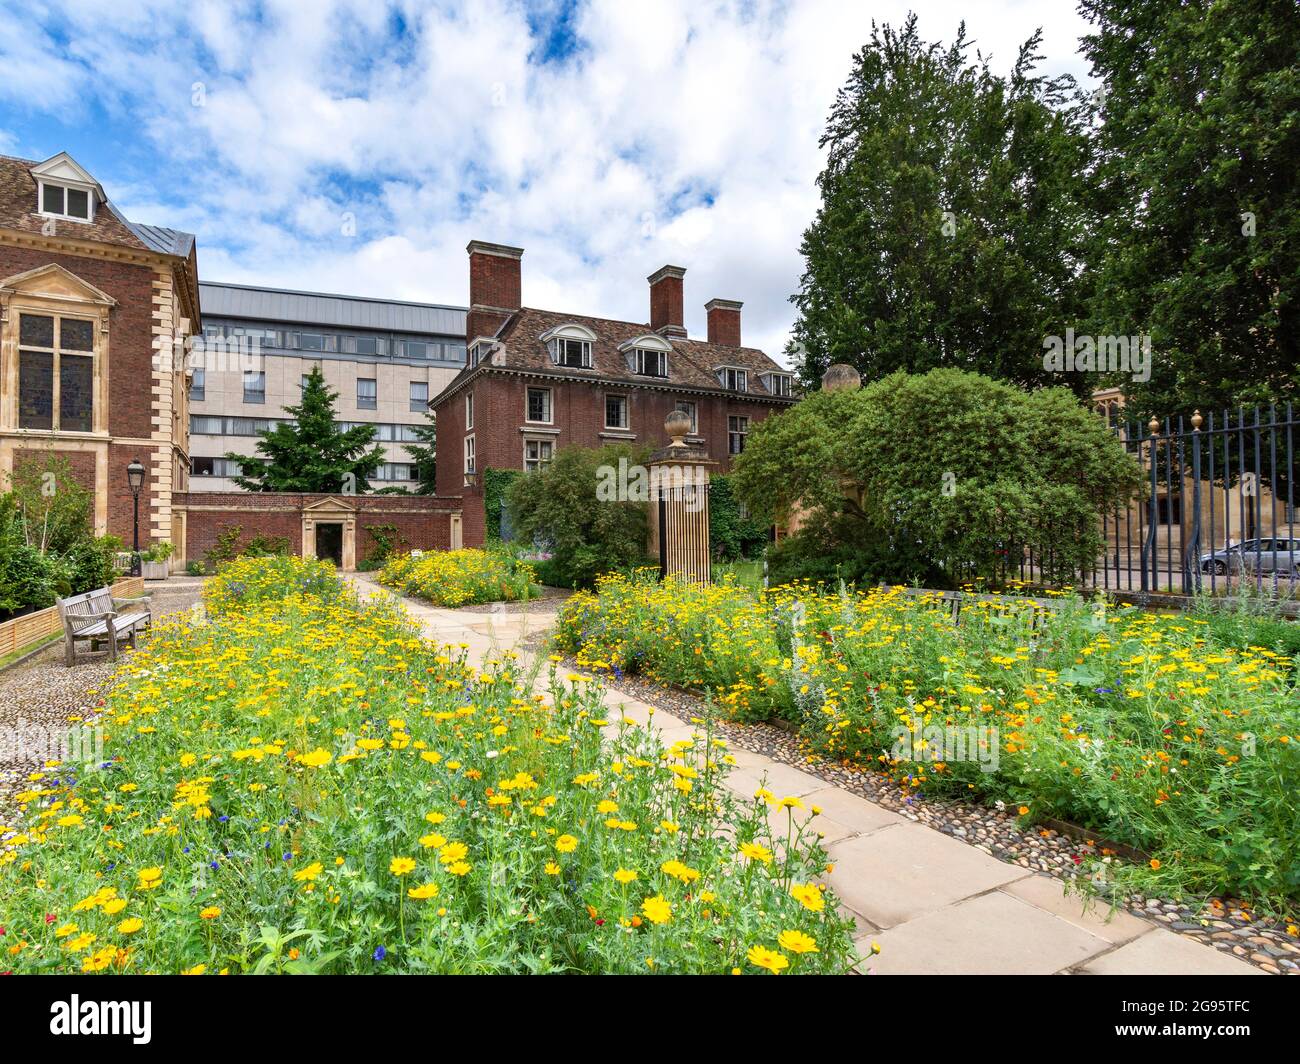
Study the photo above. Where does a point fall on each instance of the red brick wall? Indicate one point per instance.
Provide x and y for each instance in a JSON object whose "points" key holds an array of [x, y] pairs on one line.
{"points": [[423, 521], [130, 334]]}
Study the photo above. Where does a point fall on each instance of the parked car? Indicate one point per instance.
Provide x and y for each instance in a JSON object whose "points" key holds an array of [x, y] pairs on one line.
{"points": [[1265, 555]]}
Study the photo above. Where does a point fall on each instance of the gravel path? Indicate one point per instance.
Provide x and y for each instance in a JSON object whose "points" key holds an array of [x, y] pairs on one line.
{"points": [[1227, 924], [37, 696], [550, 600]]}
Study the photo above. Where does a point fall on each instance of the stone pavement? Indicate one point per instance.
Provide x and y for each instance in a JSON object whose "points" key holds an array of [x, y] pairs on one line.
{"points": [[934, 904]]}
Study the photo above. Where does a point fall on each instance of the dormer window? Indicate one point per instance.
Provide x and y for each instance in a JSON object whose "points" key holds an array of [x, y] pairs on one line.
{"points": [[59, 201], [647, 355], [481, 351], [570, 346], [778, 383], [65, 190], [651, 363], [733, 378]]}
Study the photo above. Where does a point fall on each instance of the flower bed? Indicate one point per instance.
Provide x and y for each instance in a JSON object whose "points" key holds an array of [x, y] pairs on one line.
{"points": [[300, 783], [1145, 728], [461, 577]]}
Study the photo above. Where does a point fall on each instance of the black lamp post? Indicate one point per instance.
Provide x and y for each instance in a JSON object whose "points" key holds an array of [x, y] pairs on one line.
{"points": [[135, 478]]}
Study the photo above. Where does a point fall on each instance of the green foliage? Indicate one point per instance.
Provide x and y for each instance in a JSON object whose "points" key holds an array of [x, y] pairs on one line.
{"points": [[195, 568], [227, 547], [954, 216], [732, 536], [387, 541], [943, 473], [559, 509], [1199, 236], [310, 453], [48, 548], [496, 483]]}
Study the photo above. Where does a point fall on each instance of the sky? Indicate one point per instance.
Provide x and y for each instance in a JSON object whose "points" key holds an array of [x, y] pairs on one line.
{"points": [[356, 146]]}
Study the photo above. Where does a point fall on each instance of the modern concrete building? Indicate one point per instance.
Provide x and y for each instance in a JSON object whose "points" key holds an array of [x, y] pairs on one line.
{"points": [[386, 359]]}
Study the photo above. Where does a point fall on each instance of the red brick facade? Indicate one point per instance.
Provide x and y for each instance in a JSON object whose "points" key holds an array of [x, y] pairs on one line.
{"points": [[129, 369], [526, 358]]}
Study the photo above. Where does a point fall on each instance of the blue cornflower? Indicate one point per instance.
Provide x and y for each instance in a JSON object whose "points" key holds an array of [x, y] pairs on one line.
{"points": [[380, 953]]}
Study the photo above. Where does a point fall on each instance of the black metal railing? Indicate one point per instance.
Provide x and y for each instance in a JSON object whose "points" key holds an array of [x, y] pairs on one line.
{"points": [[1219, 510]]}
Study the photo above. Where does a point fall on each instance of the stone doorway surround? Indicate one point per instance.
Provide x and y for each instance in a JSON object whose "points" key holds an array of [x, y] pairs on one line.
{"points": [[333, 509]]}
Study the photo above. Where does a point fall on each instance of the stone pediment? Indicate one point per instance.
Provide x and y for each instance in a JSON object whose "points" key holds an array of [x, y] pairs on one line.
{"points": [[54, 282], [330, 504]]}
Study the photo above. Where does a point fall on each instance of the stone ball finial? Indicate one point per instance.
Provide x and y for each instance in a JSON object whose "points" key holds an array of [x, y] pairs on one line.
{"points": [[677, 425], [840, 378]]}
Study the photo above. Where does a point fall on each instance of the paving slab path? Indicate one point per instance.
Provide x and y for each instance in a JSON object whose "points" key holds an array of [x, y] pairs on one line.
{"points": [[934, 904]]}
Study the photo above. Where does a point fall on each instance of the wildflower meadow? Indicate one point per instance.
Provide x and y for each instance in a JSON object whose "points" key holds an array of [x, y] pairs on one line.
{"points": [[295, 781], [1171, 734]]}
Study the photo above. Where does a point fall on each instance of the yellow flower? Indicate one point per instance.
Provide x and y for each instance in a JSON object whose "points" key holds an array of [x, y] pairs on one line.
{"points": [[198, 969], [306, 875], [317, 758], [624, 876], [796, 942], [809, 896], [657, 910], [551, 869], [70, 821], [424, 892], [679, 871], [459, 868], [566, 844], [150, 878], [756, 852], [435, 818], [399, 866], [453, 852], [210, 913], [433, 841], [130, 926], [763, 957], [114, 906]]}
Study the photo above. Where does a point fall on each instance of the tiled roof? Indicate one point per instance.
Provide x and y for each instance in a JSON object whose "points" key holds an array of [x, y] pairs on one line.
{"points": [[691, 363], [18, 211]]}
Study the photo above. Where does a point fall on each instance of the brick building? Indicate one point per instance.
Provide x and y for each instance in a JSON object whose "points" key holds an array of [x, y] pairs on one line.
{"points": [[537, 380], [95, 314]]}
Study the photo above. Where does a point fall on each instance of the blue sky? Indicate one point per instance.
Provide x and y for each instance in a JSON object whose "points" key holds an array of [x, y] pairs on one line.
{"points": [[356, 147]]}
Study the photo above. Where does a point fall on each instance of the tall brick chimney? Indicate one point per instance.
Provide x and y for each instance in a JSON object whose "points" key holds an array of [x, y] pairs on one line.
{"points": [[495, 291], [724, 321], [667, 307]]}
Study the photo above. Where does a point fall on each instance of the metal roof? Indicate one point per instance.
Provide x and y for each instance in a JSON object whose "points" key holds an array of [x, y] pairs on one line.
{"points": [[318, 308], [168, 241]]}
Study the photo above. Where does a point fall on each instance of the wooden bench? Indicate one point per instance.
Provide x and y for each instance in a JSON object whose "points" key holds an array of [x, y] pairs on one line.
{"points": [[96, 617]]}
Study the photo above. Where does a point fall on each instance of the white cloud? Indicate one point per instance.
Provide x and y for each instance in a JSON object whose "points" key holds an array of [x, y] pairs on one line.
{"points": [[678, 131]]}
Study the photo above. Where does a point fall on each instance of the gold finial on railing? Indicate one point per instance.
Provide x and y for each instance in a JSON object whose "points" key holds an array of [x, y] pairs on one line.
{"points": [[1154, 425], [1196, 421]]}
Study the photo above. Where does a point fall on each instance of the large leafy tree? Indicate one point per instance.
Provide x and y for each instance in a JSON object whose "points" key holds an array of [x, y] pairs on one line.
{"points": [[954, 217], [942, 475], [311, 453], [1199, 151], [425, 455], [562, 508]]}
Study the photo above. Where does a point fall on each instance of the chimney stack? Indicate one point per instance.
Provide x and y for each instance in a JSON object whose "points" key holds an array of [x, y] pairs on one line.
{"points": [[667, 307], [724, 321], [495, 291]]}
